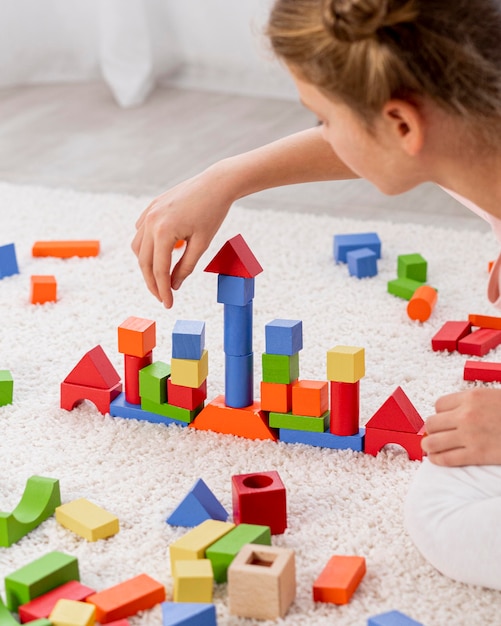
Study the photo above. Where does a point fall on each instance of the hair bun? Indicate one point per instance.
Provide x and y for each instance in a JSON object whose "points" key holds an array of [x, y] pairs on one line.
{"points": [[354, 20]]}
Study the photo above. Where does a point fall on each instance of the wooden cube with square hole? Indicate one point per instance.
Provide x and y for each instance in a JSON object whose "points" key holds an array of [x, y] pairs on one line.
{"points": [[260, 498], [262, 582]]}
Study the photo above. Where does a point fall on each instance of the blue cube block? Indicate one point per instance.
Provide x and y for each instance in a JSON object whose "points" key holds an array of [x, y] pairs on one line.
{"points": [[392, 618], [188, 340], [344, 243], [362, 263], [238, 329], [239, 381], [188, 614], [8, 260], [234, 290], [284, 337]]}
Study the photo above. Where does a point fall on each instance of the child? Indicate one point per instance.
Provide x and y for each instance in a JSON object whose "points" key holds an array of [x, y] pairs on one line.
{"points": [[406, 91]]}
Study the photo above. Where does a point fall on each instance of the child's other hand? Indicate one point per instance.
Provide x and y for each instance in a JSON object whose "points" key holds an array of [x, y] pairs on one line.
{"points": [[466, 429], [191, 211]]}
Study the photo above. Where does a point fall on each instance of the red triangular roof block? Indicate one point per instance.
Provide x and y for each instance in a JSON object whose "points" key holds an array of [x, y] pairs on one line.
{"points": [[397, 413], [94, 370], [235, 258]]}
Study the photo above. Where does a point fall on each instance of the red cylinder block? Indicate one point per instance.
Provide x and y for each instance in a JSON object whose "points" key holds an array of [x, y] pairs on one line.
{"points": [[345, 408], [132, 365]]}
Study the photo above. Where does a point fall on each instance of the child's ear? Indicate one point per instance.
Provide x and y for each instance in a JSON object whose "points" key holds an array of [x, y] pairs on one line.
{"points": [[406, 125]]}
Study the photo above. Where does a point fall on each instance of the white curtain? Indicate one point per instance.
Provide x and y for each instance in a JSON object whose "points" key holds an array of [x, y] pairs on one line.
{"points": [[124, 42]]}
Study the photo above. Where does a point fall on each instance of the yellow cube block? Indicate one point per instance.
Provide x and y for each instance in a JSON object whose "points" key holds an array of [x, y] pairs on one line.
{"points": [[193, 580], [190, 372], [345, 364], [72, 613], [195, 542], [87, 519]]}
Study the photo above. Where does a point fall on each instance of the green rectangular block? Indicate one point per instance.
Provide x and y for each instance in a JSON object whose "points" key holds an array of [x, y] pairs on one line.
{"points": [[6, 387], [222, 552], [169, 410], [403, 287], [39, 577], [280, 368], [300, 422], [412, 266], [153, 382]]}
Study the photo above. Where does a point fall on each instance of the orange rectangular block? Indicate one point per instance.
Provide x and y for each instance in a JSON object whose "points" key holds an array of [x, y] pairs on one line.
{"points": [[485, 321], [339, 579], [43, 289], [310, 397], [66, 249], [136, 336], [128, 598], [276, 397]]}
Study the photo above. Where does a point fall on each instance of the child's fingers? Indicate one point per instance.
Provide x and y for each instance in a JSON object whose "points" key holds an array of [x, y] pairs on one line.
{"points": [[188, 261], [449, 402]]}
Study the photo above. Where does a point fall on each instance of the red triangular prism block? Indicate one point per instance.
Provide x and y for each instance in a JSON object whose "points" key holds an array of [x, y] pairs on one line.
{"points": [[397, 413], [94, 370], [235, 258]]}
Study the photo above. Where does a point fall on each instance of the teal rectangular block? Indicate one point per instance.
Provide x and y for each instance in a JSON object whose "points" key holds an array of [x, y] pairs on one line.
{"points": [[280, 368], [300, 422], [153, 382], [6, 387], [39, 577], [222, 552]]}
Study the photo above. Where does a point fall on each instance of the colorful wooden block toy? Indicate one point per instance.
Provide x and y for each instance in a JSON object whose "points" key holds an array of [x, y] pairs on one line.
{"points": [[43, 289], [87, 519], [412, 266], [72, 613], [6, 387], [362, 263], [339, 579], [260, 499], [8, 261], [42, 606], [198, 505], [193, 580], [392, 618], [345, 243], [66, 249], [195, 542], [188, 339], [136, 336], [447, 337], [283, 336], [482, 370], [188, 614], [422, 303]]}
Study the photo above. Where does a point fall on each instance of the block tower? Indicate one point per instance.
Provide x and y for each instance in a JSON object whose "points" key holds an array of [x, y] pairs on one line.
{"points": [[236, 412]]}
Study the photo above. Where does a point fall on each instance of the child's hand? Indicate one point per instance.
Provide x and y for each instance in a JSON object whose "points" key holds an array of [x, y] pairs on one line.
{"points": [[191, 211], [466, 429]]}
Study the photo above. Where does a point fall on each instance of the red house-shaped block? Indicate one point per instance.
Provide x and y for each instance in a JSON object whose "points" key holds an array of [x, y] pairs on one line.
{"points": [[396, 421]]}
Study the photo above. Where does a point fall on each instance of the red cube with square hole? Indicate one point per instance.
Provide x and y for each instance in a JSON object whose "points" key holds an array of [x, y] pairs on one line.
{"points": [[260, 499]]}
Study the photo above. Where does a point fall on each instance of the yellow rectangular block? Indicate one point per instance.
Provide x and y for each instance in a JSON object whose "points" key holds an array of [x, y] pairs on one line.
{"points": [[190, 372], [195, 542], [345, 364], [72, 613], [193, 580], [87, 519]]}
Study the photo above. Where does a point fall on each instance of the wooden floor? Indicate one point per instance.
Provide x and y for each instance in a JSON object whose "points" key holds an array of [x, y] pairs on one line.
{"points": [[76, 136]]}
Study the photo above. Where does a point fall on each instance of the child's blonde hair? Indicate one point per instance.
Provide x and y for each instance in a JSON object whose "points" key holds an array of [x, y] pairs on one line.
{"points": [[365, 52]]}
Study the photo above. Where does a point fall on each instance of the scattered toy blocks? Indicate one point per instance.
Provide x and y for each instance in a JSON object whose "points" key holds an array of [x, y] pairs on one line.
{"points": [[66, 249], [127, 598], [482, 370], [392, 618], [40, 498], [353, 241], [7, 619], [485, 321], [38, 577], [42, 606], [222, 552], [362, 263], [43, 289], [339, 579], [412, 266], [479, 342], [8, 261], [193, 580], [188, 614], [422, 303], [264, 572], [195, 542], [136, 336], [198, 505], [403, 287], [87, 519], [447, 337], [72, 613], [260, 499], [6, 387]]}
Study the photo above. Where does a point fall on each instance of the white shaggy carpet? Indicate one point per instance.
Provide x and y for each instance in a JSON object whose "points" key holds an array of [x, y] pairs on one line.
{"points": [[339, 502]]}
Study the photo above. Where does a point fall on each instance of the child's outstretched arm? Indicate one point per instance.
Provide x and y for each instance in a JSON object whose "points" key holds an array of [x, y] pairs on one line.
{"points": [[195, 209], [466, 429]]}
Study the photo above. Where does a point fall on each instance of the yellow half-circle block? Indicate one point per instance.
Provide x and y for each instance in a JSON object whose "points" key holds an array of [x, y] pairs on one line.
{"points": [[189, 372], [345, 364], [87, 519]]}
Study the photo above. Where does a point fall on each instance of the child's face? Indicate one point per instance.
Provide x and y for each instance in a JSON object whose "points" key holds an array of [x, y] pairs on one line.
{"points": [[373, 156]]}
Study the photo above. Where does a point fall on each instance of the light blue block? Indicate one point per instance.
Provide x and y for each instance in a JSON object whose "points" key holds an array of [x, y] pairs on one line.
{"points": [[188, 614], [239, 381], [8, 260], [362, 262], [344, 243], [392, 618], [284, 337], [324, 440], [238, 329], [188, 340], [198, 505], [234, 289]]}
